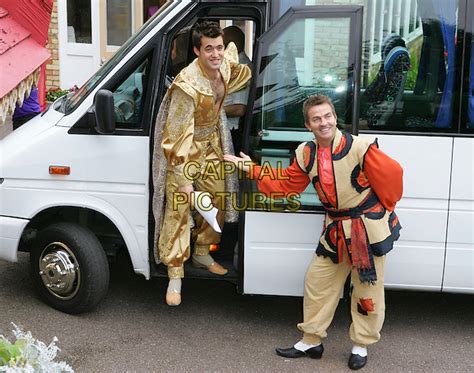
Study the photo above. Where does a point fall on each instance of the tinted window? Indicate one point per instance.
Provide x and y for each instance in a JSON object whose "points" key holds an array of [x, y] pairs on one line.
{"points": [[298, 58], [409, 63], [129, 97]]}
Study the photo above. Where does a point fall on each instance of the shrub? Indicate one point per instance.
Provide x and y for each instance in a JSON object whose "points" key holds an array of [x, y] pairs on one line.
{"points": [[54, 93], [29, 355]]}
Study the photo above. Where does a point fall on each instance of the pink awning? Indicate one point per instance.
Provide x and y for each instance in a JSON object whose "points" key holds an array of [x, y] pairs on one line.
{"points": [[23, 35]]}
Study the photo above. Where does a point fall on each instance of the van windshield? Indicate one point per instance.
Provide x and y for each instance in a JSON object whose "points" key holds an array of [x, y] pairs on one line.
{"points": [[72, 102]]}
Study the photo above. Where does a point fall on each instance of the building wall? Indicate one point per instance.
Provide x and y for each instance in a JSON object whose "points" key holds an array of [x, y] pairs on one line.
{"points": [[52, 66]]}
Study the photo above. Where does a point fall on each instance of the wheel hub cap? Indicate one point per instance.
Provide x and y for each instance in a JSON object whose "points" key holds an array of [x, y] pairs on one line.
{"points": [[59, 270]]}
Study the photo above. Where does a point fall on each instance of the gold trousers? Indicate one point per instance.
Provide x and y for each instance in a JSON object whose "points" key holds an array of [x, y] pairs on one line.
{"points": [[323, 286], [174, 242]]}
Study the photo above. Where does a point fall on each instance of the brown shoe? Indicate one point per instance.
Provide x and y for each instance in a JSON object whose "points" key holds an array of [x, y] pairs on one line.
{"points": [[217, 269], [173, 299]]}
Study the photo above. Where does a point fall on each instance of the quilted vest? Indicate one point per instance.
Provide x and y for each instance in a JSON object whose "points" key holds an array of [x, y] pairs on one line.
{"points": [[355, 200]]}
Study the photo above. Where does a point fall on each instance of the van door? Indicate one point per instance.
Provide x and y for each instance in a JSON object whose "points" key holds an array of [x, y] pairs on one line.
{"points": [[459, 262], [310, 50], [410, 103], [115, 165]]}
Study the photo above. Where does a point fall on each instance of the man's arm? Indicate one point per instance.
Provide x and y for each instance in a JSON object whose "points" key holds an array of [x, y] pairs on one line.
{"points": [[178, 134], [235, 104], [286, 180], [235, 110], [385, 176]]}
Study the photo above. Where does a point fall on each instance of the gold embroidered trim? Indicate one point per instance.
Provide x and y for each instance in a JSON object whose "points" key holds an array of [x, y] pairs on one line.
{"points": [[203, 132], [201, 249], [175, 272]]}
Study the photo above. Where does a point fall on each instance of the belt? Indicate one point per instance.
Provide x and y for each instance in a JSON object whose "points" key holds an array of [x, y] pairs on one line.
{"points": [[359, 253], [355, 212]]}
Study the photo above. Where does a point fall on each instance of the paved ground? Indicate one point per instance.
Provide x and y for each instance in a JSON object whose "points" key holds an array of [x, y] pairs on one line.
{"points": [[217, 330]]}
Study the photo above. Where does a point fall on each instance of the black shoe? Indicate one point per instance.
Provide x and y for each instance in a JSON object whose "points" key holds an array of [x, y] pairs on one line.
{"points": [[292, 353], [357, 361]]}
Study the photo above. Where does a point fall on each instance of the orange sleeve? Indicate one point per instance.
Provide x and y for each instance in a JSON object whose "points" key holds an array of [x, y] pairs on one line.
{"points": [[286, 180], [385, 176]]}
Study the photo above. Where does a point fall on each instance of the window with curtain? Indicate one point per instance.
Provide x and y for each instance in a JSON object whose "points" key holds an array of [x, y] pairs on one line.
{"points": [[119, 21], [79, 21]]}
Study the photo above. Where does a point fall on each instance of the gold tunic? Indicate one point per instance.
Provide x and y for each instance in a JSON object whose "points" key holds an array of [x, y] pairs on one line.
{"points": [[192, 133]]}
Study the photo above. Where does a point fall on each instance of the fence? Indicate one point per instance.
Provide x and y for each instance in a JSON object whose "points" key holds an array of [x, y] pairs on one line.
{"points": [[385, 17]]}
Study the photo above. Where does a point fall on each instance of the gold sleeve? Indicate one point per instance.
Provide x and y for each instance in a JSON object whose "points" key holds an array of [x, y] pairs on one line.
{"points": [[178, 134], [240, 74]]}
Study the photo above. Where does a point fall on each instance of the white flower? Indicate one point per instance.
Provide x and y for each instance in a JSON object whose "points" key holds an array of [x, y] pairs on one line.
{"points": [[34, 356]]}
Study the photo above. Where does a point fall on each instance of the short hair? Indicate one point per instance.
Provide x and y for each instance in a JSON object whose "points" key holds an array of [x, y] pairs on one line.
{"points": [[316, 100], [234, 34], [208, 29]]}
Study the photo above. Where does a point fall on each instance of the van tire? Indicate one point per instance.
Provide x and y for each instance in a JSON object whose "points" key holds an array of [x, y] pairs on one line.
{"points": [[69, 268]]}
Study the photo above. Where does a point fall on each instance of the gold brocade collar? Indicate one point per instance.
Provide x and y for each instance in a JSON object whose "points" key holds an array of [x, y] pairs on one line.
{"points": [[196, 77]]}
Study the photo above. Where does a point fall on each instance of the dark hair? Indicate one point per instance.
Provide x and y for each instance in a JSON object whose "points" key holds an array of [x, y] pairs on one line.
{"points": [[208, 29], [234, 34], [316, 100]]}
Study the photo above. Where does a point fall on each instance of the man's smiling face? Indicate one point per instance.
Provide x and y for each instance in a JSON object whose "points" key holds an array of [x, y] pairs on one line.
{"points": [[211, 52], [322, 122]]}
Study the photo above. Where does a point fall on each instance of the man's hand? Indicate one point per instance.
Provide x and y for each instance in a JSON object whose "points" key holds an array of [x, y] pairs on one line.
{"points": [[243, 162]]}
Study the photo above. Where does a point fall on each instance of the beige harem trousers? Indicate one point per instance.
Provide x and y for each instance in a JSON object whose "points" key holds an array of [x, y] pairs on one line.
{"points": [[323, 286]]}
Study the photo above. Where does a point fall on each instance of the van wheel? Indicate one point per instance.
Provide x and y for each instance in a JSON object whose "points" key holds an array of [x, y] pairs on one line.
{"points": [[69, 268]]}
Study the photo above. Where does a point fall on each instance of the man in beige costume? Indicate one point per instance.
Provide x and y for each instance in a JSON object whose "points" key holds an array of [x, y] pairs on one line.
{"points": [[358, 186], [192, 132]]}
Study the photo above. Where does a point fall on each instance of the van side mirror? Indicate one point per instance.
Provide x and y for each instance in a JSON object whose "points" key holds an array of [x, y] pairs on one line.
{"points": [[104, 112]]}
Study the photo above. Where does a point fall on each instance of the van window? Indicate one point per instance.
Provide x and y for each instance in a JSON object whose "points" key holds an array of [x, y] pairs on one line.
{"points": [[181, 51], [408, 62], [410, 66], [129, 97], [279, 7], [302, 57]]}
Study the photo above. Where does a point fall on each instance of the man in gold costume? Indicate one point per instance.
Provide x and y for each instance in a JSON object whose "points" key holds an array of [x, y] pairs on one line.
{"points": [[191, 129]]}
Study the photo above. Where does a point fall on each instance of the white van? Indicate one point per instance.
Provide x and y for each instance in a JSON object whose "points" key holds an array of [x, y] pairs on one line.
{"points": [[75, 184]]}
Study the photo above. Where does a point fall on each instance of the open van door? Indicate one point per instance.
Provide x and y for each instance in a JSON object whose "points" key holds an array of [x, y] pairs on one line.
{"points": [[310, 50]]}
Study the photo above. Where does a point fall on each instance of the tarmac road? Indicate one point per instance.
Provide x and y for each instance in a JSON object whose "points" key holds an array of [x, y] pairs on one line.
{"points": [[218, 330]]}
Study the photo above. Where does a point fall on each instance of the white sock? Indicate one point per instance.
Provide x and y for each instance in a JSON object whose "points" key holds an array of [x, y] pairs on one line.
{"points": [[174, 286], [361, 351], [304, 346]]}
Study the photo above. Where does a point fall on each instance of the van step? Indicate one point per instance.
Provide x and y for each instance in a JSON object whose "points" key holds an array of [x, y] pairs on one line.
{"points": [[191, 272]]}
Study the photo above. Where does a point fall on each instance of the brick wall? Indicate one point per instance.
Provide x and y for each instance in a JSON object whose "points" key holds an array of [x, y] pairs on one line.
{"points": [[52, 66], [332, 60]]}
